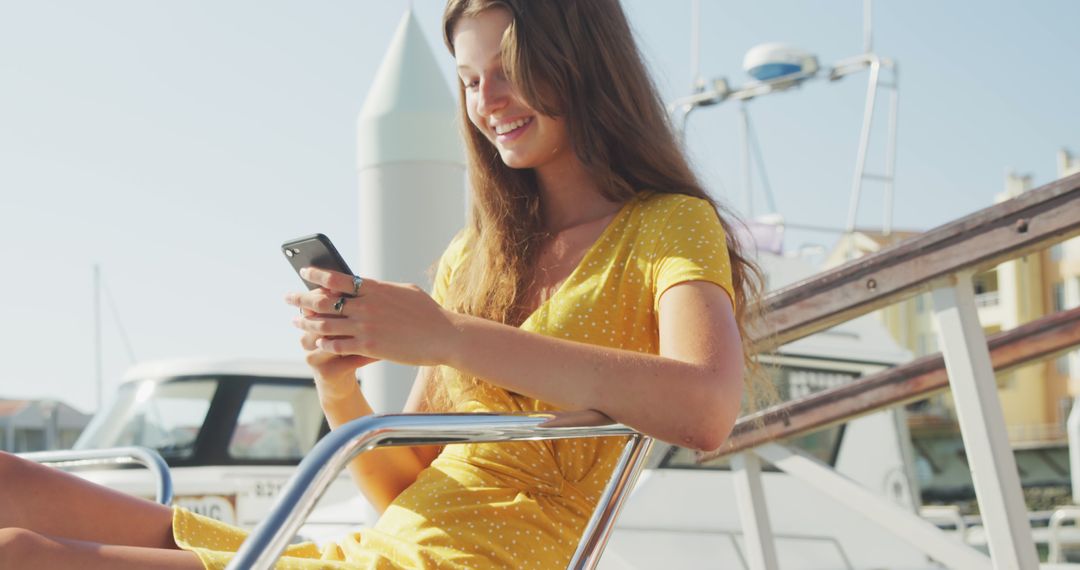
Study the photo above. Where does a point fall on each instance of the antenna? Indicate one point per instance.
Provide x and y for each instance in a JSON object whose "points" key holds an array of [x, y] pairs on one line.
{"points": [[744, 135], [868, 26], [751, 156], [695, 44], [760, 161], [97, 333], [776, 68], [119, 323], [99, 288]]}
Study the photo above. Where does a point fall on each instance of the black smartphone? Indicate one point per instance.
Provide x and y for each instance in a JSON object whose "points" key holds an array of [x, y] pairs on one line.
{"points": [[314, 251]]}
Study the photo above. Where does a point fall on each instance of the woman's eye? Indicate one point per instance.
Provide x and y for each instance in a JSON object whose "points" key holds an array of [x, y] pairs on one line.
{"points": [[471, 83]]}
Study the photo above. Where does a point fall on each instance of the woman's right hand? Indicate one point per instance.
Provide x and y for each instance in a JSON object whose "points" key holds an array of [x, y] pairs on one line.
{"points": [[335, 375]]}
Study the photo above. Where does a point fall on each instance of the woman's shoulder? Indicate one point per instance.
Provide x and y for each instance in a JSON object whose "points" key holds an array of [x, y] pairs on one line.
{"points": [[667, 218], [457, 247], [664, 205], [448, 264]]}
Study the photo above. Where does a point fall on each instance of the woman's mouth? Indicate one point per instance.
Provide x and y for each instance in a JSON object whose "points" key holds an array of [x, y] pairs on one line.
{"points": [[510, 131]]}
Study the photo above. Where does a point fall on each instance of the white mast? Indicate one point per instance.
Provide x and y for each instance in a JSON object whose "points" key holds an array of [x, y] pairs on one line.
{"points": [[411, 182], [98, 376]]}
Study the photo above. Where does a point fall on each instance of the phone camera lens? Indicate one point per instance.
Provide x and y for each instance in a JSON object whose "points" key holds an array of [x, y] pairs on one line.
{"points": [[288, 253]]}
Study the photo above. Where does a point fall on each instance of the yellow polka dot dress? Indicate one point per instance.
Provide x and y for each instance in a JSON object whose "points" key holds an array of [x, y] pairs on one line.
{"points": [[522, 505]]}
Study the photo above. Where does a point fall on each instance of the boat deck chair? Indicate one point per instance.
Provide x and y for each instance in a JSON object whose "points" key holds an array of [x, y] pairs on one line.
{"points": [[85, 458], [333, 452]]}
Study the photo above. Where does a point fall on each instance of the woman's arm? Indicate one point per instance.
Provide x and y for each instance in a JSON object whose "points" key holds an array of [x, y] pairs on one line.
{"points": [[380, 474], [418, 403], [689, 394]]}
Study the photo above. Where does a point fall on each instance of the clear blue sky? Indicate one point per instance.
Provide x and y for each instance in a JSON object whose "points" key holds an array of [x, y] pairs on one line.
{"points": [[178, 144]]}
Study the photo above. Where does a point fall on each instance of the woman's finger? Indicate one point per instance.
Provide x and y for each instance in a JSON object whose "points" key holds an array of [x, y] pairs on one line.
{"points": [[322, 301], [337, 282], [350, 345], [307, 341], [305, 301], [325, 326]]}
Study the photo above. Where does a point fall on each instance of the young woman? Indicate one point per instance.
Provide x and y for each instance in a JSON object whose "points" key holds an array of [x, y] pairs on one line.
{"points": [[595, 274]]}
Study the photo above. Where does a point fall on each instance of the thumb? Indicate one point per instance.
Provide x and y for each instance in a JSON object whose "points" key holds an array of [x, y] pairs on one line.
{"points": [[359, 360]]}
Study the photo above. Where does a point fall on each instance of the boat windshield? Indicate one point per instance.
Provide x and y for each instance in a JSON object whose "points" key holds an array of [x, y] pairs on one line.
{"points": [[165, 416]]}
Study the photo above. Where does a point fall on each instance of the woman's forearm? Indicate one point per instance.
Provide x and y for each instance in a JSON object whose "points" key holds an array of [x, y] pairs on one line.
{"points": [[679, 402], [381, 474], [690, 395]]}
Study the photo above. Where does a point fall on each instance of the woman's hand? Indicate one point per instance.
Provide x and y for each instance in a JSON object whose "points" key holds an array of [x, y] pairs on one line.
{"points": [[385, 321], [335, 375]]}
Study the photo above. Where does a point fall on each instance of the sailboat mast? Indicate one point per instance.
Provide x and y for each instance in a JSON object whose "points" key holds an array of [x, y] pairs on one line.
{"points": [[97, 335], [695, 45], [868, 30]]}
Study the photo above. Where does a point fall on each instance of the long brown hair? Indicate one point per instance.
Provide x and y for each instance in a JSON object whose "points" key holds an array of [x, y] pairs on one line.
{"points": [[575, 59]]}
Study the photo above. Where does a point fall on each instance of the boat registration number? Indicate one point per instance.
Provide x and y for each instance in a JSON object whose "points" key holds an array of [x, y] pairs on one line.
{"points": [[219, 507]]}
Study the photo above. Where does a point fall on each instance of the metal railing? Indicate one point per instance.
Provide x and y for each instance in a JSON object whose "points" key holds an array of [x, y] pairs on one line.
{"points": [[321, 466], [916, 380], [1055, 539], [1026, 224], [84, 458], [1035, 434], [988, 299], [943, 260]]}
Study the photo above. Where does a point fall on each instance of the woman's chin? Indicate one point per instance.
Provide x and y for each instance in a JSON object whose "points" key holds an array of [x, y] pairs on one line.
{"points": [[516, 160]]}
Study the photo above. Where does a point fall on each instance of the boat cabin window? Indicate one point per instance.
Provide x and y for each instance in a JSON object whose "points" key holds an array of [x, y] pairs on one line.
{"points": [[165, 416], [277, 422]]}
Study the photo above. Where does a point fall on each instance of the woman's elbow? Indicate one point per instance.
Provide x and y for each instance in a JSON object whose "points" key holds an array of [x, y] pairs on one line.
{"points": [[710, 436], [717, 412]]}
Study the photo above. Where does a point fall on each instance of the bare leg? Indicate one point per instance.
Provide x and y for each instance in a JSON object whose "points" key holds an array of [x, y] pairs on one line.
{"points": [[53, 503], [21, 548]]}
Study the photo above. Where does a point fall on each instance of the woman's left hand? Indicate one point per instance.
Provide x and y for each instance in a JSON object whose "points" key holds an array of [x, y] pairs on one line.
{"points": [[389, 321]]}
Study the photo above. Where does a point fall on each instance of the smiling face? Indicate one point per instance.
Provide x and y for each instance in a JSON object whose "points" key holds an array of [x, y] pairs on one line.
{"points": [[523, 137]]}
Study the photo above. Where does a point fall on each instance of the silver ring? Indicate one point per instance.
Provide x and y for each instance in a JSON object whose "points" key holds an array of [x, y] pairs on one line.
{"points": [[357, 281], [340, 304]]}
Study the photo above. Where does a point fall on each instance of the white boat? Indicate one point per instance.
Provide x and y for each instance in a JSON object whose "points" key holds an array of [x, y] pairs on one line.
{"points": [[231, 431]]}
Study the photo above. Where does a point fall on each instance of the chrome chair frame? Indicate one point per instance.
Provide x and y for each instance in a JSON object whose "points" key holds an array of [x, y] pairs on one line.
{"points": [[321, 466], [82, 458]]}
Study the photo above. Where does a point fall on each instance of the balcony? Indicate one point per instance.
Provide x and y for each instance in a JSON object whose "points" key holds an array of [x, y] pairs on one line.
{"points": [[987, 299]]}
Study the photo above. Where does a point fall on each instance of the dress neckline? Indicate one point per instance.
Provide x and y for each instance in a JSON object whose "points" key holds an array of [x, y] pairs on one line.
{"points": [[589, 253]]}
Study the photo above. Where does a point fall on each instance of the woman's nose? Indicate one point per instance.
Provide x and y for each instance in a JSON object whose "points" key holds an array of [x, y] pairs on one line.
{"points": [[491, 96]]}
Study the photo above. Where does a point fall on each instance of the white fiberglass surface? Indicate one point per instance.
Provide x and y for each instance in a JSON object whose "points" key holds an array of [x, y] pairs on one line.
{"points": [[165, 416]]}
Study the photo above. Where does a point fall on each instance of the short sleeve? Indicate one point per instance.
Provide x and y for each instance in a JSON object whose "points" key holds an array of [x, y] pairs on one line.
{"points": [[691, 246], [444, 270]]}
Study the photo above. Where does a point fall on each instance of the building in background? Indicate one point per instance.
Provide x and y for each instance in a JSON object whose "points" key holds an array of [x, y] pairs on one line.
{"points": [[1036, 399], [39, 425]]}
